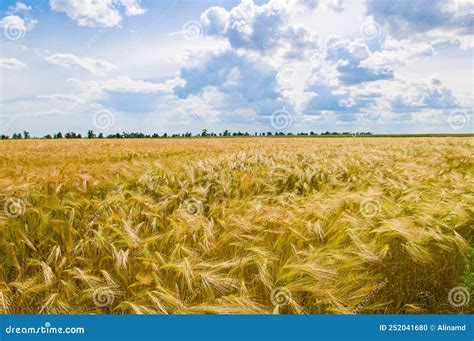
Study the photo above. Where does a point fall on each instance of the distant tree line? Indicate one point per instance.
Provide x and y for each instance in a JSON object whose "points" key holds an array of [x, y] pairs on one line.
{"points": [[204, 133]]}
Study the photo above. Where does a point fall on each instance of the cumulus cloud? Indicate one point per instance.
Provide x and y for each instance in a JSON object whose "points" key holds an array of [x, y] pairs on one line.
{"points": [[259, 27], [398, 53], [262, 56], [325, 95], [349, 80], [91, 13], [245, 81], [349, 57], [366, 106], [247, 84], [246, 25], [340, 80], [12, 63], [423, 95], [95, 66], [19, 7], [132, 7], [404, 17]]}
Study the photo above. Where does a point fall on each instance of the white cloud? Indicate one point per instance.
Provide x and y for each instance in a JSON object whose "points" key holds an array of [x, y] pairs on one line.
{"points": [[347, 77], [95, 66], [416, 96], [99, 93], [19, 7], [246, 25], [250, 60], [335, 5], [262, 28], [86, 97], [91, 13], [418, 19], [126, 84], [12, 63], [398, 53], [325, 94], [132, 7], [350, 60], [246, 80]]}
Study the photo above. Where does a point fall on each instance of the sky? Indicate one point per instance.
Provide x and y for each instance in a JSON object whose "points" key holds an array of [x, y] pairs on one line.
{"points": [[385, 66]]}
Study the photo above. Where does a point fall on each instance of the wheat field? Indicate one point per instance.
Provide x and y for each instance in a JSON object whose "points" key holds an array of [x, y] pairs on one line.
{"points": [[237, 226]]}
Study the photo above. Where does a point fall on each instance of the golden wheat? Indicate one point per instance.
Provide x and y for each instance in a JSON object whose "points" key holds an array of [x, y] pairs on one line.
{"points": [[290, 225]]}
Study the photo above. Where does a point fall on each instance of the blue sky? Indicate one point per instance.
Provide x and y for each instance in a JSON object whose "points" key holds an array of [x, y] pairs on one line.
{"points": [[278, 65]]}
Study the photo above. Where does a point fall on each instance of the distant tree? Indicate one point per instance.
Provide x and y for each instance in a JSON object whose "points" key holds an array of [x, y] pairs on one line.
{"points": [[205, 133], [72, 135]]}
